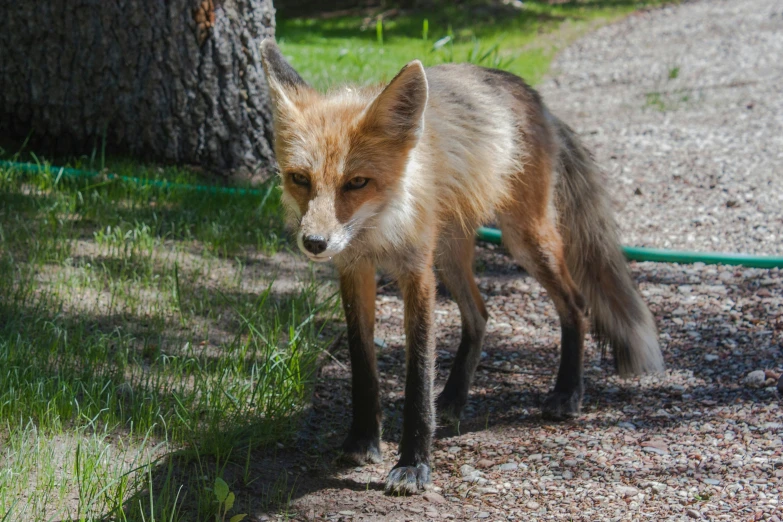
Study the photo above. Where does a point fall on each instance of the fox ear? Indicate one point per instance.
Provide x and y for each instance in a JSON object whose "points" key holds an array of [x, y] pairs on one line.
{"points": [[280, 76], [397, 111]]}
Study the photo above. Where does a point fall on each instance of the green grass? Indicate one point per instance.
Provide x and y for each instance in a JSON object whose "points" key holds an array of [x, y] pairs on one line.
{"points": [[137, 339], [355, 49]]}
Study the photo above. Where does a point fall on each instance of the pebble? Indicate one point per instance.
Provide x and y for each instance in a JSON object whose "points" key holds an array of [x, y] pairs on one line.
{"points": [[694, 514], [435, 498], [532, 505], [755, 379], [467, 469], [626, 491], [508, 466], [485, 463]]}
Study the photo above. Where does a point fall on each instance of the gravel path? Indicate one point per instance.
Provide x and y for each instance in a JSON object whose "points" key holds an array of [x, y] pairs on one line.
{"points": [[683, 108], [697, 166]]}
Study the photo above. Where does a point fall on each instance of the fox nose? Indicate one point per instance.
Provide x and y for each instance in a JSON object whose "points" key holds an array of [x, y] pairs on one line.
{"points": [[314, 244]]}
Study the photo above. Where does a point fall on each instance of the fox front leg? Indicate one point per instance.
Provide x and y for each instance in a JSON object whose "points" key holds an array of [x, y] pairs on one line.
{"points": [[412, 471], [357, 286]]}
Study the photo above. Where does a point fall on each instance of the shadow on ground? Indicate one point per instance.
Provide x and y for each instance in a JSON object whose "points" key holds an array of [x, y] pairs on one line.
{"points": [[303, 477]]}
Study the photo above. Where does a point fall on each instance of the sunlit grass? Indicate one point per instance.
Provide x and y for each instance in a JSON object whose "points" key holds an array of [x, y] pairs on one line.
{"points": [[332, 51]]}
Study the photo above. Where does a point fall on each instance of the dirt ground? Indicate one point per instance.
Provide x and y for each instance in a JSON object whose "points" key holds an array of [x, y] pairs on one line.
{"points": [[694, 158]]}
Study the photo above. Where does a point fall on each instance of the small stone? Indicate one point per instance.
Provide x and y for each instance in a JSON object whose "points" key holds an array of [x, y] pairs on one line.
{"points": [[435, 498], [711, 482], [466, 470], [535, 457], [483, 514], [658, 487], [694, 514], [569, 462], [755, 379], [508, 466], [346, 513], [626, 491], [487, 490], [655, 446], [711, 357], [532, 505], [626, 425], [454, 449], [484, 463]]}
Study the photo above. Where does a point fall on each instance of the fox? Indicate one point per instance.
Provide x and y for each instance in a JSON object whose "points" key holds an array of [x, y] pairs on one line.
{"points": [[398, 177]]}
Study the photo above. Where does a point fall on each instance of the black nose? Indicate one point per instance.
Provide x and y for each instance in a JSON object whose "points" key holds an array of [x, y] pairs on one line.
{"points": [[314, 244]]}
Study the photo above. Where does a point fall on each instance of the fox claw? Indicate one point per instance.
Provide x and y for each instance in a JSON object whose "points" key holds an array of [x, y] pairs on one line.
{"points": [[408, 480], [560, 406], [449, 409], [362, 451]]}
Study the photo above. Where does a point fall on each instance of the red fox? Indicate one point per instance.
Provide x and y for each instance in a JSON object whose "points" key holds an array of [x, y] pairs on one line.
{"points": [[399, 177]]}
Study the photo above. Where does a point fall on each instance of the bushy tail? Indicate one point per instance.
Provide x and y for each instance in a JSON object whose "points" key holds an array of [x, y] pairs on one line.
{"points": [[619, 316]]}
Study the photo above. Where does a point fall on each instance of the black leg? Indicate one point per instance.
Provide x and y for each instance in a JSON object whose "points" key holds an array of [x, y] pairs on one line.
{"points": [[357, 286], [540, 250], [412, 471], [566, 399]]}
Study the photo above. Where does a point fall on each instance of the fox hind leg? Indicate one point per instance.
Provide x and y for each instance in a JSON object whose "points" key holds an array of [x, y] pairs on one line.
{"points": [[537, 245], [454, 263]]}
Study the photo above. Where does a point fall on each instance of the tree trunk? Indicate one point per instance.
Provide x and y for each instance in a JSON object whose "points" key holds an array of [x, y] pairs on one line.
{"points": [[176, 80]]}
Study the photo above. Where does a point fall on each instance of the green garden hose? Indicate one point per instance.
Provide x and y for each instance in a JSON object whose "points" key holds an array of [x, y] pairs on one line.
{"points": [[489, 235], [658, 255], [77, 173]]}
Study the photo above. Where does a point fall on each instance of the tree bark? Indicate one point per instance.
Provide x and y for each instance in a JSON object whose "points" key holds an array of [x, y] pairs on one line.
{"points": [[173, 80]]}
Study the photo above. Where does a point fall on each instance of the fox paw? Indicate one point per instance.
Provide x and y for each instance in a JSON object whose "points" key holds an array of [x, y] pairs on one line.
{"points": [[449, 408], [560, 406], [362, 450], [408, 480]]}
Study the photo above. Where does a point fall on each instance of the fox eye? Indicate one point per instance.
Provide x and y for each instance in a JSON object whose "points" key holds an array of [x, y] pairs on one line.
{"points": [[300, 179], [356, 183]]}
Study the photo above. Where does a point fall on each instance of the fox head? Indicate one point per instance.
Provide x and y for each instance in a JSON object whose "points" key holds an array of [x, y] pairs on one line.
{"points": [[343, 155]]}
